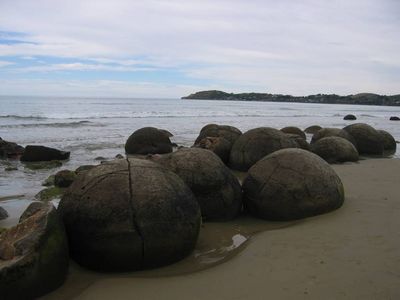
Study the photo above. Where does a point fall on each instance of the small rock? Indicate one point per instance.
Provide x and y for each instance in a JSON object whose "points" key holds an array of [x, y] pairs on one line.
{"points": [[350, 117], [394, 118], [42, 153], [3, 213]]}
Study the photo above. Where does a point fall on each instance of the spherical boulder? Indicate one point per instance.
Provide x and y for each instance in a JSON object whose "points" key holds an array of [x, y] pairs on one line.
{"points": [[291, 184], [312, 129], [148, 140], [326, 132], [129, 214], [335, 149], [256, 143], [219, 145], [302, 143], [229, 133], [33, 254], [368, 140], [216, 189], [350, 117], [294, 130], [389, 143]]}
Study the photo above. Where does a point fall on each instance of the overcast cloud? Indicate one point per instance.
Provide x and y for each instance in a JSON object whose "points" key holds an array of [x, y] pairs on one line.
{"points": [[172, 48]]}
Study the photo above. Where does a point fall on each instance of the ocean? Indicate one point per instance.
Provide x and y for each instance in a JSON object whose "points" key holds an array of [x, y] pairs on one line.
{"points": [[99, 127]]}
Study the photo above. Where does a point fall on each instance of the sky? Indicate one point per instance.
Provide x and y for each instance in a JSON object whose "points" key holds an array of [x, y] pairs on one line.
{"points": [[173, 48]]}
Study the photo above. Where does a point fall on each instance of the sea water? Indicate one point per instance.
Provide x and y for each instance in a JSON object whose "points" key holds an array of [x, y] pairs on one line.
{"points": [[99, 127]]}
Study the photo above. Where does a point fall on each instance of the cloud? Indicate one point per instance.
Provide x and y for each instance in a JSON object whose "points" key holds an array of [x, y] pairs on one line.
{"points": [[5, 63]]}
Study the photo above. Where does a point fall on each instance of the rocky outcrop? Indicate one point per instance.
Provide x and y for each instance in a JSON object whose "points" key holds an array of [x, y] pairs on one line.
{"points": [[148, 140], [33, 254], [368, 140], [216, 189], [335, 149], [129, 214], [291, 184], [42, 153]]}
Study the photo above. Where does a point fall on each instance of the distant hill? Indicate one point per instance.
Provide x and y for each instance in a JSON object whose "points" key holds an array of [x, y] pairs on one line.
{"points": [[363, 98]]}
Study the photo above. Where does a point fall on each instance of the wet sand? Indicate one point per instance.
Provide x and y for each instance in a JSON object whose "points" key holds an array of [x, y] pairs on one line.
{"points": [[352, 253]]}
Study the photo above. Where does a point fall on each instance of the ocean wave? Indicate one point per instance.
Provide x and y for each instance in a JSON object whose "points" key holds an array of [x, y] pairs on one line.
{"points": [[370, 116], [23, 117], [56, 125]]}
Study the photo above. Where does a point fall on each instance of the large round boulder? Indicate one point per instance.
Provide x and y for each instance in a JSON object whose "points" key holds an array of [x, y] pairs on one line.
{"points": [[368, 140], [33, 254], [302, 143], [35, 153], [148, 140], [294, 130], [229, 133], [312, 129], [291, 184], [219, 145], [335, 149], [256, 143], [129, 214], [326, 132], [389, 143], [216, 189]]}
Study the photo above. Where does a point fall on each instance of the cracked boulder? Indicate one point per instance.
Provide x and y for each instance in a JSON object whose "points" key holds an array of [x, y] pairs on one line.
{"points": [[219, 145], [256, 143], [326, 132], [368, 140], [33, 254], [148, 140], [335, 149], [294, 130], [216, 189], [291, 184], [129, 214], [230, 133]]}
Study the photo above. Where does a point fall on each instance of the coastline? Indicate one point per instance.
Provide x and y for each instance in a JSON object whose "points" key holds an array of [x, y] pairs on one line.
{"points": [[350, 253]]}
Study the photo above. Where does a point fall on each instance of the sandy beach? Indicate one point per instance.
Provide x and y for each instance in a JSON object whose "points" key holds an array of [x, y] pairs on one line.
{"points": [[351, 253]]}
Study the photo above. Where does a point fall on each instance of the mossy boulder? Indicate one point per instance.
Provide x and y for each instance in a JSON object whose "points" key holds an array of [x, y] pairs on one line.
{"points": [[215, 187], [50, 193], [291, 184], [230, 133], [256, 143], [335, 149], [64, 178], [368, 140], [294, 130], [129, 214], [219, 145], [148, 140], [33, 254]]}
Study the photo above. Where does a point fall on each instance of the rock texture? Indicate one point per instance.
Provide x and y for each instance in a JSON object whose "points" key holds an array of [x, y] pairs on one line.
{"points": [[335, 149], [368, 140], [42, 153], [148, 140], [216, 189], [389, 143], [219, 145], [294, 130], [128, 215], [33, 254], [292, 184], [312, 129], [229, 133]]}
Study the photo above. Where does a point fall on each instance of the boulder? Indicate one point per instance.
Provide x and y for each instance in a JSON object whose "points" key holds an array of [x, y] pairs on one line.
{"points": [[368, 140], [389, 143], [291, 184], [216, 189], [148, 140], [350, 117], [335, 149], [219, 145], [3, 213], [50, 193], [302, 143], [294, 130], [42, 153], [129, 214], [326, 132], [64, 178], [256, 143], [229, 133], [10, 149], [394, 118], [312, 129], [33, 254]]}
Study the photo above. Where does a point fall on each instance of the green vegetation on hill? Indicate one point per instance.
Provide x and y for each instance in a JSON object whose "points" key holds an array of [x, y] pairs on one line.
{"points": [[363, 98]]}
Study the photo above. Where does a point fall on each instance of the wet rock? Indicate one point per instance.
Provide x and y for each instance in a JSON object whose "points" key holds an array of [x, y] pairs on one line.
{"points": [[49, 181], [43, 165], [128, 215], [294, 130], [326, 132], [389, 143], [216, 189], [335, 149], [100, 158], [10, 149], [292, 184], [256, 143], [148, 140], [350, 117], [230, 133], [84, 168], [50, 193], [64, 178], [33, 254], [394, 118], [3, 213], [312, 129], [119, 156], [219, 145], [368, 140], [42, 153]]}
